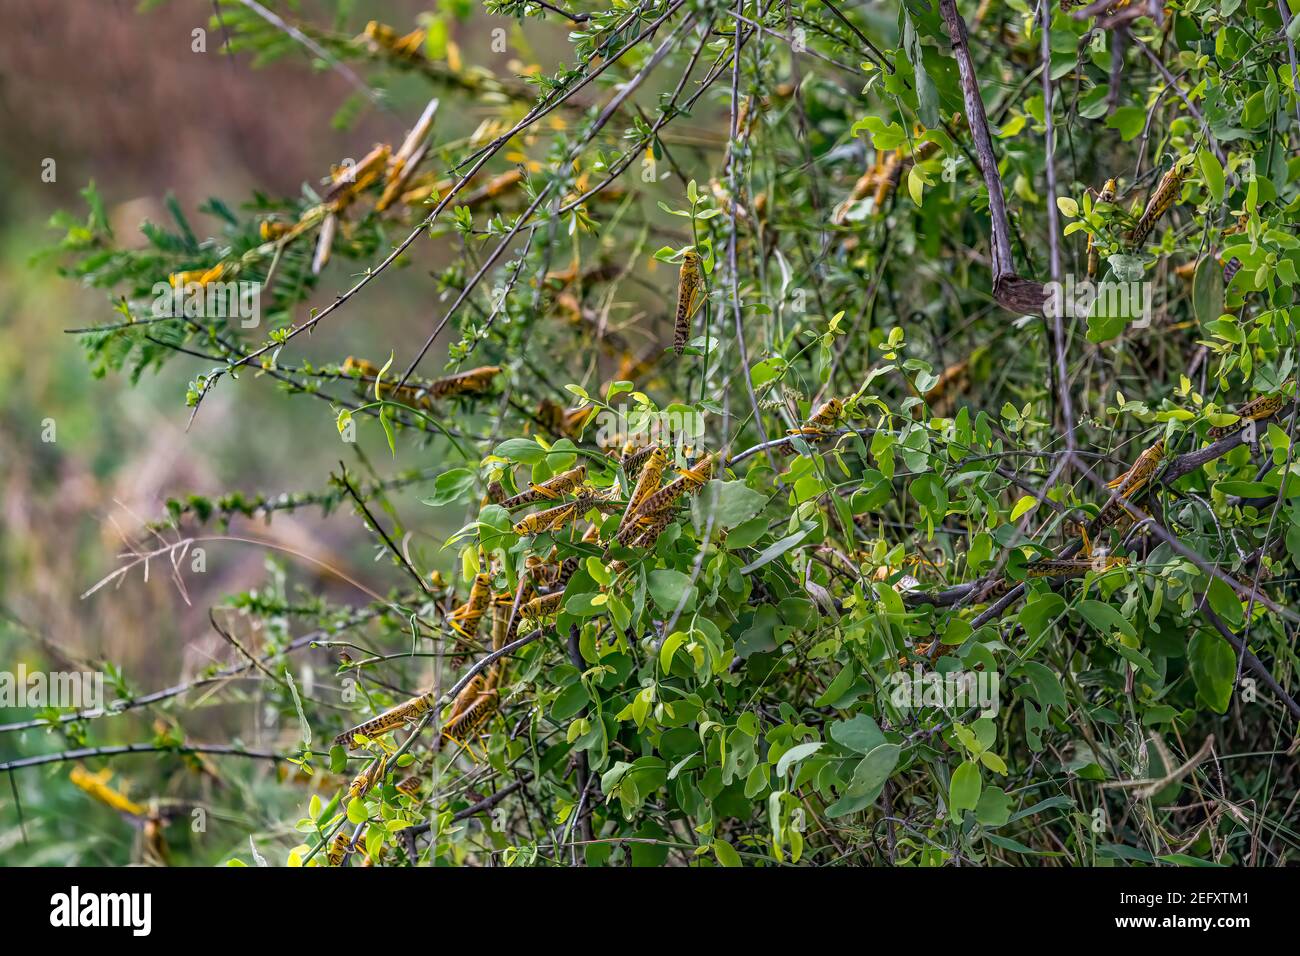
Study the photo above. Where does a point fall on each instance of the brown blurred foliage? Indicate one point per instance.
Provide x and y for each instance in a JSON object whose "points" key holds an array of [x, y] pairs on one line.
{"points": [[128, 103]]}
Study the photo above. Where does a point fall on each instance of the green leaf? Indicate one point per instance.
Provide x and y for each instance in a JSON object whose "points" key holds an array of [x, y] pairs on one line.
{"points": [[733, 502], [916, 185], [1047, 685], [956, 632], [571, 700], [1026, 504], [795, 754], [1182, 859], [927, 97], [993, 808], [1129, 120], [964, 789], [523, 450], [849, 803], [1213, 664], [297, 703], [1207, 291], [357, 811], [1060, 800], [774, 551], [1039, 612], [837, 693], [726, 853], [884, 136], [387, 425], [379, 377], [859, 733], [874, 769], [668, 588], [1245, 489], [1212, 171], [1225, 602], [450, 486], [1106, 618], [669, 648]]}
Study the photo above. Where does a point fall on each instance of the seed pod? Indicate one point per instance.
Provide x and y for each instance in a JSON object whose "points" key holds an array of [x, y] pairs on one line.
{"points": [[407, 158], [324, 243]]}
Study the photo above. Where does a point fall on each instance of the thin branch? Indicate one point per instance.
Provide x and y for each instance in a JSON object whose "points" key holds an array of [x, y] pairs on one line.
{"points": [[1012, 291]]}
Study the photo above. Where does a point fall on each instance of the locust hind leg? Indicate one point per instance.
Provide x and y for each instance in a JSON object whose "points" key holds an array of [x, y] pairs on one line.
{"points": [[1086, 551], [464, 747]]}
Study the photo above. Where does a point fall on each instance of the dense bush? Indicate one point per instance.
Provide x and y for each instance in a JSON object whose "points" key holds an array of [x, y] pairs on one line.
{"points": [[860, 621]]}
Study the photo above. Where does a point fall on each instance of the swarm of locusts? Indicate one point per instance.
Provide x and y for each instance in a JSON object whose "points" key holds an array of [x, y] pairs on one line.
{"points": [[1162, 198], [648, 511], [475, 382], [1125, 488], [687, 637], [650, 507], [396, 182], [647, 502]]}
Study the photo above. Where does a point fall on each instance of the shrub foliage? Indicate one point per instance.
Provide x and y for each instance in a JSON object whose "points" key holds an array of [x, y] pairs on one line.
{"points": [[937, 560]]}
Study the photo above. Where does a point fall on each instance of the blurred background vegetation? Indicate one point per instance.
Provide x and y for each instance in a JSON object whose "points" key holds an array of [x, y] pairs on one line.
{"points": [[129, 104]]}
